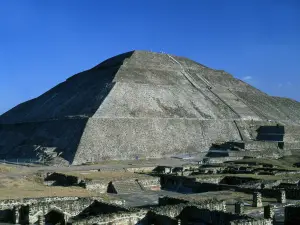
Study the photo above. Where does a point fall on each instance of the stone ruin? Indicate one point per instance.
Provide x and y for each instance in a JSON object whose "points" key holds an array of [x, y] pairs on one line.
{"points": [[130, 185], [169, 210], [257, 202], [88, 211], [141, 105], [31, 211], [148, 105]]}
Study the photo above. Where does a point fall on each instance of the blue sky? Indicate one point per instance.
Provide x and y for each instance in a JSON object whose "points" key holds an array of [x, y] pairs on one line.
{"points": [[44, 42]]}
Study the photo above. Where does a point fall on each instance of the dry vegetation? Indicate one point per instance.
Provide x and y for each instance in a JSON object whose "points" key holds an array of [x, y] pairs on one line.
{"points": [[26, 187], [6, 168], [16, 182]]}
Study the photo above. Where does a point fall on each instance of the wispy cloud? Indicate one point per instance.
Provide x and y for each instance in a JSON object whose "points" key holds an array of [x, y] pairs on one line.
{"points": [[247, 78], [287, 84]]}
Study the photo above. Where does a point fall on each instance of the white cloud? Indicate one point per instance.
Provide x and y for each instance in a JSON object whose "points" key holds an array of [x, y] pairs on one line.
{"points": [[247, 78]]}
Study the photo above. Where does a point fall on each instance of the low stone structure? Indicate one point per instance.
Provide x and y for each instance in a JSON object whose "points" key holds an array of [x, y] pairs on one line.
{"points": [[152, 183], [239, 208], [10, 203], [41, 220], [98, 186], [211, 204], [26, 211], [189, 214], [140, 169], [282, 196], [121, 218], [257, 201]]}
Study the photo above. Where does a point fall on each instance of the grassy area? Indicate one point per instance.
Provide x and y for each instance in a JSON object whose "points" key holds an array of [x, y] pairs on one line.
{"points": [[6, 168]]}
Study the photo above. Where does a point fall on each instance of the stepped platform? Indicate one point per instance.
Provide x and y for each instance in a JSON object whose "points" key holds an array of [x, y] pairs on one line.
{"points": [[125, 187], [143, 105]]}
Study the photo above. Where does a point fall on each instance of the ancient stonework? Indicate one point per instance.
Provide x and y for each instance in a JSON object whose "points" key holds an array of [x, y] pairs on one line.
{"points": [[257, 201], [282, 196], [148, 105], [239, 208], [147, 139]]}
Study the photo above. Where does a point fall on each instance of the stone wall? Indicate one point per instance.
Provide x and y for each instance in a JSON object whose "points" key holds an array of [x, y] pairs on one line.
{"points": [[123, 218], [223, 159], [140, 169], [68, 208], [251, 145], [192, 213], [10, 203], [189, 214], [169, 181], [150, 183], [213, 180], [96, 185], [261, 153], [151, 139], [167, 215], [199, 187], [29, 210], [211, 204]]}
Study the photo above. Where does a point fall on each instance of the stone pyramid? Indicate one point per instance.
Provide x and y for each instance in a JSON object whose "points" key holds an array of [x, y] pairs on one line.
{"points": [[142, 104]]}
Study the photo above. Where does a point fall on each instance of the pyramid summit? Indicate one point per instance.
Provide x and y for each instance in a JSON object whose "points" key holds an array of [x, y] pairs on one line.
{"points": [[147, 105]]}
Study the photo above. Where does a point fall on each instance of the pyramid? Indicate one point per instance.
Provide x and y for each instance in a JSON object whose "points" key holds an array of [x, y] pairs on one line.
{"points": [[146, 105]]}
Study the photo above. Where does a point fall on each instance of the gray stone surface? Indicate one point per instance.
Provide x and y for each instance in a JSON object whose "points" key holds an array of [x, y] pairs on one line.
{"points": [[141, 104]]}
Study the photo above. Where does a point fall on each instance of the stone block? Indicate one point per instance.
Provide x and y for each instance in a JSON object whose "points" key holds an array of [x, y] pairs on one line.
{"points": [[257, 199]]}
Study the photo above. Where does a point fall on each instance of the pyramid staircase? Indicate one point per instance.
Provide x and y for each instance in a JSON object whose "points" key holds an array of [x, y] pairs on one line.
{"points": [[126, 187]]}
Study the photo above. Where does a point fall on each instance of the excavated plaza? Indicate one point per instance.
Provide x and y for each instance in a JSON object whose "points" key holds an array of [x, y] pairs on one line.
{"points": [[247, 191]]}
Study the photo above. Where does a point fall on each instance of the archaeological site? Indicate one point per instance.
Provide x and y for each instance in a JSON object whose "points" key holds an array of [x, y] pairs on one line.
{"points": [[148, 138]]}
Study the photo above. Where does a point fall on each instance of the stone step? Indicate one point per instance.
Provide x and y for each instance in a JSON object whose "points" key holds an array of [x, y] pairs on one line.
{"points": [[123, 187], [235, 103]]}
